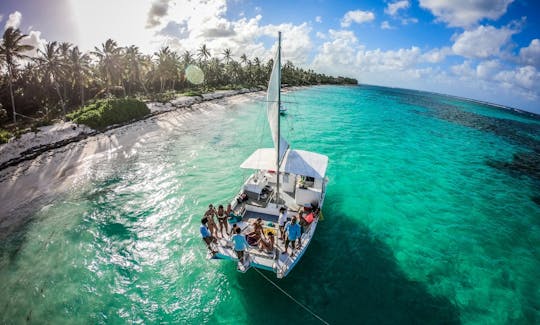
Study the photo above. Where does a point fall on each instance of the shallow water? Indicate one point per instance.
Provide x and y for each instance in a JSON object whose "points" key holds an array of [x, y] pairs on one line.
{"points": [[429, 218]]}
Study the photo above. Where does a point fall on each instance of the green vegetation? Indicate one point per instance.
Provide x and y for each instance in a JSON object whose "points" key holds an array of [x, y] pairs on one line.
{"points": [[106, 112], [60, 78], [5, 136]]}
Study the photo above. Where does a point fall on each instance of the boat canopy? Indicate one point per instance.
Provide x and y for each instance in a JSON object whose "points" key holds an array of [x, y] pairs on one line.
{"points": [[298, 162]]}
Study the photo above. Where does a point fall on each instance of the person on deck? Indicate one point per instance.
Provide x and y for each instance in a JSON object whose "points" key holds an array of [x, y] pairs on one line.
{"points": [[222, 218], [206, 236], [257, 236], [209, 215], [240, 244], [270, 243], [301, 221], [282, 220], [233, 218], [293, 233]]}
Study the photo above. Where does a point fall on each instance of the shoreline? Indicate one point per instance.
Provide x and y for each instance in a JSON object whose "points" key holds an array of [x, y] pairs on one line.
{"points": [[47, 163], [32, 144], [51, 166]]}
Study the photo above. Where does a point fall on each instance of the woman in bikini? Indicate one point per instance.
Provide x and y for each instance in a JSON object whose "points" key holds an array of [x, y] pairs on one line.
{"points": [[209, 214], [257, 236], [222, 218]]}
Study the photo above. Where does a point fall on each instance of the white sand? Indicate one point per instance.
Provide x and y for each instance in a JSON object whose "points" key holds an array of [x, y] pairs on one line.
{"points": [[46, 135], [58, 170], [67, 130]]}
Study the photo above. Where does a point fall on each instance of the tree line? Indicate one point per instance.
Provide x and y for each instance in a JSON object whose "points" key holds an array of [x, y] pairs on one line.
{"points": [[62, 78]]}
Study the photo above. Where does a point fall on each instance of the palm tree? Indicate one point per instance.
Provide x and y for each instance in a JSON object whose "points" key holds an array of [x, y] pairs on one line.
{"points": [[109, 57], [164, 65], [80, 67], [63, 50], [133, 61], [187, 58], [204, 53], [227, 55], [10, 50], [244, 59], [53, 68]]}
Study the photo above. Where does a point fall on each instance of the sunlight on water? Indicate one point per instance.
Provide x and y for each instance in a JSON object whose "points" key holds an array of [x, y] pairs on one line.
{"points": [[430, 218]]}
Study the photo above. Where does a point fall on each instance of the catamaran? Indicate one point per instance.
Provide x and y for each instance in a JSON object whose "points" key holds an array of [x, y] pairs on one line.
{"points": [[283, 178]]}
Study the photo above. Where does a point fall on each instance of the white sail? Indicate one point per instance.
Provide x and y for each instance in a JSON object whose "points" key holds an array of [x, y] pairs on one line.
{"points": [[272, 108]]}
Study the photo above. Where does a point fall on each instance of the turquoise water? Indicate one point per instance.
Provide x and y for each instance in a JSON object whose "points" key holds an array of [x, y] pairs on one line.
{"points": [[430, 217]]}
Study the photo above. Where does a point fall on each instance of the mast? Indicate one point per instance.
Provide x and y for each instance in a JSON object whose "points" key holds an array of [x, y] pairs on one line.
{"points": [[278, 118]]}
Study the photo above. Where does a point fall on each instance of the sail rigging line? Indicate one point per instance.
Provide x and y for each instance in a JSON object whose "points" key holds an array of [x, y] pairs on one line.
{"points": [[292, 298]]}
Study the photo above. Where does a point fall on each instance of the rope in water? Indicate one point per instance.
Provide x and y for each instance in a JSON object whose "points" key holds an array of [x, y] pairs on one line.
{"points": [[292, 298]]}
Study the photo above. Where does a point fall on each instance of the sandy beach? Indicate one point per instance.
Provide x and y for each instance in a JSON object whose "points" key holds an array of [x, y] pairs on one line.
{"points": [[38, 175]]}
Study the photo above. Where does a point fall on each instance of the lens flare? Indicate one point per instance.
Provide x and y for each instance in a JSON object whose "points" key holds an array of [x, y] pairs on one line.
{"points": [[194, 74]]}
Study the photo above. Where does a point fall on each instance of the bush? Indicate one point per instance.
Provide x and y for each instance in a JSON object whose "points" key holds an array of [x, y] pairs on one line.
{"points": [[192, 93], [5, 136], [106, 112]]}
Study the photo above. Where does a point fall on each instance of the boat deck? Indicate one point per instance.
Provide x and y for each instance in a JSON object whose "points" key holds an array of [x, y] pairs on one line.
{"points": [[275, 261]]}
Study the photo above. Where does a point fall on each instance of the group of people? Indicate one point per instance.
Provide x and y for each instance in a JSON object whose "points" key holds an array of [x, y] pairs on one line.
{"points": [[289, 231], [224, 216], [256, 238]]}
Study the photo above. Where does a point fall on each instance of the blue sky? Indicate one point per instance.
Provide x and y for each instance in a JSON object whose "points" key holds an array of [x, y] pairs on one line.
{"points": [[482, 49]]}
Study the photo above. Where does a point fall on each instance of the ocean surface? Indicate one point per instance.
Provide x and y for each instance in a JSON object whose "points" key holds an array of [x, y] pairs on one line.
{"points": [[432, 216]]}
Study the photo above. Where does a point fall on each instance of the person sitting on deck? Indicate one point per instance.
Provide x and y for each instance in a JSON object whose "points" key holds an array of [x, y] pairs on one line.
{"points": [[293, 233], [240, 244], [270, 242], [242, 198], [305, 221], [257, 236], [206, 236], [222, 218]]}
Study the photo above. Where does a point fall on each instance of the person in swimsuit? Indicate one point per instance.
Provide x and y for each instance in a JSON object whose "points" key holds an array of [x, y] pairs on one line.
{"points": [[222, 218], [206, 236], [209, 215], [232, 217], [257, 236]]}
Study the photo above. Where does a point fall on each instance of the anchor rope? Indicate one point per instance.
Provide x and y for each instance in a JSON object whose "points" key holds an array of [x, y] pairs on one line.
{"points": [[292, 298]]}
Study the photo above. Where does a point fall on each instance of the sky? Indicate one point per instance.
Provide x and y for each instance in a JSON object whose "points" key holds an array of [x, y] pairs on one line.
{"points": [[486, 50]]}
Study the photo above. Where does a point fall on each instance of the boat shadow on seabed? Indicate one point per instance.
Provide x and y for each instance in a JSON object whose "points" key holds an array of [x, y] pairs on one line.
{"points": [[353, 279]]}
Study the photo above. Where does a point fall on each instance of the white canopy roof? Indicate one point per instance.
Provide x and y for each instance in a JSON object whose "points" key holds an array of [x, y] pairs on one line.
{"points": [[298, 162]]}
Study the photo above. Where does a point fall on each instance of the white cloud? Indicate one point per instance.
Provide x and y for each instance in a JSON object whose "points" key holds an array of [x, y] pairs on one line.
{"points": [[491, 80], [34, 39], [393, 7], [464, 70], [486, 70], [157, 11], [530, 55], [320, 35], [482, 42], [436, 55], [14, 20], [386, 25], [525, 77], [406, 21], [318, 19], [357, 16], [465, 13]]}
